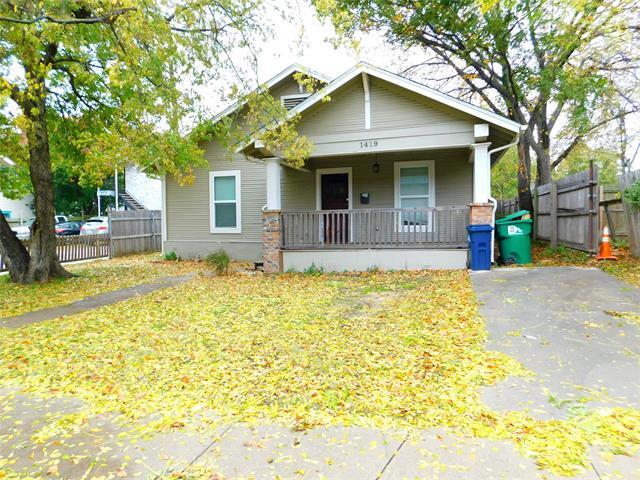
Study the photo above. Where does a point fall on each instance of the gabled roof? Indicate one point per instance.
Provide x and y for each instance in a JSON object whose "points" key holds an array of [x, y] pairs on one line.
{"points": [[428, 92], [272, 82], [416, 87]]}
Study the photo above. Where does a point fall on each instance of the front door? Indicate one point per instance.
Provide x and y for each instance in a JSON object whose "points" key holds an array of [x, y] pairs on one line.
{"points": [[334, 195]]}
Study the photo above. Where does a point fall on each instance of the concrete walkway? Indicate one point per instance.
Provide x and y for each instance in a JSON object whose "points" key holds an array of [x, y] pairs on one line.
{"points": [[93, 302]]}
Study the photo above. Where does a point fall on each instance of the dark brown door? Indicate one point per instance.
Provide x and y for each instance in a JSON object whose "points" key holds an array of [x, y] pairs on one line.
{"points": [[334, 195]]}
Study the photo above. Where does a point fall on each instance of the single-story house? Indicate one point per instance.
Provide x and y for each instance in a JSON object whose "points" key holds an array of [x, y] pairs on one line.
{"points": [[397, 171]]}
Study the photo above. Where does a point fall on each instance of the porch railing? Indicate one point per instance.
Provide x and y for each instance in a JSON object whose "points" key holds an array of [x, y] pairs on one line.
{"points": [[440, 227]]}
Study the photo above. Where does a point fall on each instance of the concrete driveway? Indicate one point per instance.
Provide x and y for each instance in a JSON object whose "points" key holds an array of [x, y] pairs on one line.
{"points": [[558, 322]]}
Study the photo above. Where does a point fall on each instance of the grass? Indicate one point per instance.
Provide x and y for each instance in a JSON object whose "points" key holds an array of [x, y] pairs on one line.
{"points": [[389, 350], [91, 278], [626, 268]]}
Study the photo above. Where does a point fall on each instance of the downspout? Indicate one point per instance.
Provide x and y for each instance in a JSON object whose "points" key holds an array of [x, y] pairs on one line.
{"points": [[493, 200]]}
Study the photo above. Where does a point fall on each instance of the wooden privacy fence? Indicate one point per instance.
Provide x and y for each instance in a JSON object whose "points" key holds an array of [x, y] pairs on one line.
{"points": [[612, 212], [77, 247], [566, 212], [507, 207], [632, 213], [135, 231]]}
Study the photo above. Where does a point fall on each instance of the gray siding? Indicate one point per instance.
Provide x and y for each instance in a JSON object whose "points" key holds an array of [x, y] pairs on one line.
{"points": [[297, 189], [343, 113], [188, 205], [392, 108], [286, 87]]}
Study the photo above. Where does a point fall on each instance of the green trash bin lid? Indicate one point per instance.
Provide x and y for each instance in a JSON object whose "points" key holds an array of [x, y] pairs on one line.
{"points": [[514, 216]]}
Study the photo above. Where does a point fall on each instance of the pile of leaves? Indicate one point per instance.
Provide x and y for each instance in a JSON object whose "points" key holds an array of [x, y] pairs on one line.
{"points": [[626, 268], [92, 278], [387, 350]]}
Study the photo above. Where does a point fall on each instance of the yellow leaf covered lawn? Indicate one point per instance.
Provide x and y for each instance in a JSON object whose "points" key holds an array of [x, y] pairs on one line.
{"points": [[93, 278], [378, 349]]}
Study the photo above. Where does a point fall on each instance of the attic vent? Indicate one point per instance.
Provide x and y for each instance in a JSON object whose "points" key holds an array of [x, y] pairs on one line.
{"points": [[290, 101]]}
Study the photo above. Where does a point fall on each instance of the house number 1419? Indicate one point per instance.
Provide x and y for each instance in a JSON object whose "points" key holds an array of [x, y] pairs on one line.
{"points": [[369, 144]]}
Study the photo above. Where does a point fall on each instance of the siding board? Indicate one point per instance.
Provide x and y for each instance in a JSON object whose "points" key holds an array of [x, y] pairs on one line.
{"points": [[188, 205]]}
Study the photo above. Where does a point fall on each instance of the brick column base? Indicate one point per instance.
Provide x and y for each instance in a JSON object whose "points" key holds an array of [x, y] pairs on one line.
{"points": [[480, 213], [271, 241]]}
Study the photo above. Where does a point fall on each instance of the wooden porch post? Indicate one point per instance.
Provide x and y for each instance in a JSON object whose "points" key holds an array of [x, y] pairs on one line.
{"points": [[481, 172]]}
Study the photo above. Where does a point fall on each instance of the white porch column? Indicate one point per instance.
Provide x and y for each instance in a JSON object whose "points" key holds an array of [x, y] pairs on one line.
{"points": [[273, 183], [481, 172]]}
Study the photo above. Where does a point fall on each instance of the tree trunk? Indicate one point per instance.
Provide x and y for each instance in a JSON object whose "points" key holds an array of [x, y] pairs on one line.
{"points": [[43, 263], [524, 175], [544, 168], [13, 252]]}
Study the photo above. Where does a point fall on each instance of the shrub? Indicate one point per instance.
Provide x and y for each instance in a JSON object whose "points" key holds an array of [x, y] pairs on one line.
{"points": [[171, 256], [631, 194], [313, 270], [220, 262]]}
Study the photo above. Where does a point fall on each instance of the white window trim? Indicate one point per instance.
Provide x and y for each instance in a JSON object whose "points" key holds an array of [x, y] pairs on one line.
{"points": [[397, 166], [238, 202]]}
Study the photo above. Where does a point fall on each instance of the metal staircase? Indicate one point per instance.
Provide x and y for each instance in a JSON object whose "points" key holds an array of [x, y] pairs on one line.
{"points": [[130, 202]]}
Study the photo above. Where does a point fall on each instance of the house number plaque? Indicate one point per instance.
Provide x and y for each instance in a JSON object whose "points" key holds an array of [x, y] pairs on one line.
{"points": [[368, 143]]}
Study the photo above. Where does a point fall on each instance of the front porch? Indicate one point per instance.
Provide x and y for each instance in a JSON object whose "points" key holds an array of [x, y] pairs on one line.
{"points": [[395, 210]]}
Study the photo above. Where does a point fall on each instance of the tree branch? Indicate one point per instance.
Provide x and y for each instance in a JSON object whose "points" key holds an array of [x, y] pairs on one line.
{"points": [[565, 153], [107, 18]]}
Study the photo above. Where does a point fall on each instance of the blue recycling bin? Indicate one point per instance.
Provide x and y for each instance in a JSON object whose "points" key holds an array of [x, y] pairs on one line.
{"points": [[480, 246]]}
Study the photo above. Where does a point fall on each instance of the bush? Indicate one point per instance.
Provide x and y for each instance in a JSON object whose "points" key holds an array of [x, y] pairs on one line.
{"points": [[313, 270], [171, 256], [220, 262], [631, 194]]}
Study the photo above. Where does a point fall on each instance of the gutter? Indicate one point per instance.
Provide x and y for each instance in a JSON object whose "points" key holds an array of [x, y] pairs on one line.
{"points": [[493, 200]]}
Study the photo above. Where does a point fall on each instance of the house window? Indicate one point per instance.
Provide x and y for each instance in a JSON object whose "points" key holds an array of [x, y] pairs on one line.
{"points": [[414, 189], [224, 189]]}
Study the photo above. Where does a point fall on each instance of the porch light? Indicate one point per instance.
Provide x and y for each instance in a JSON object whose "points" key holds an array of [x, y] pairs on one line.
{"points": [[376, 167]]}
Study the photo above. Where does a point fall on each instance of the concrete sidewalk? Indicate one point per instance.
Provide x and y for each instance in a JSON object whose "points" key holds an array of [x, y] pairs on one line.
{"points": [[238, 451]]}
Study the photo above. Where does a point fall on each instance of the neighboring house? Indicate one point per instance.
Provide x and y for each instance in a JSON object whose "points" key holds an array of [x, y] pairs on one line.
{"points": [[141, 191], [16, 211], [397, 172]]}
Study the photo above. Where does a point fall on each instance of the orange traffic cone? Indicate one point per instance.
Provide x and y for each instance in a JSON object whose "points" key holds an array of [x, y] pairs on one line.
{"points": [[605, 246]]}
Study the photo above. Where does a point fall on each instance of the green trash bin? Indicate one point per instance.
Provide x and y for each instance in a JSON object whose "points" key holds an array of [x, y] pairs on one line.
{"points": [[514, 237]]}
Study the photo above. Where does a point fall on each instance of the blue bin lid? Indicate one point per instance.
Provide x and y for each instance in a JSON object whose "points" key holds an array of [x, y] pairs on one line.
{"points": [[479, 228]]}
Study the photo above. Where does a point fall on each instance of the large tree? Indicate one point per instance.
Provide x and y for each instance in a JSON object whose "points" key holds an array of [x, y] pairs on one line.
{"points": [[563, 68], [94, 84]]}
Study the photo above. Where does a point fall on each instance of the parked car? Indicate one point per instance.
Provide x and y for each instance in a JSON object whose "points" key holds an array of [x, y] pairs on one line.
{"points": [[23, 232], [95, 225], [68, 228]]}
